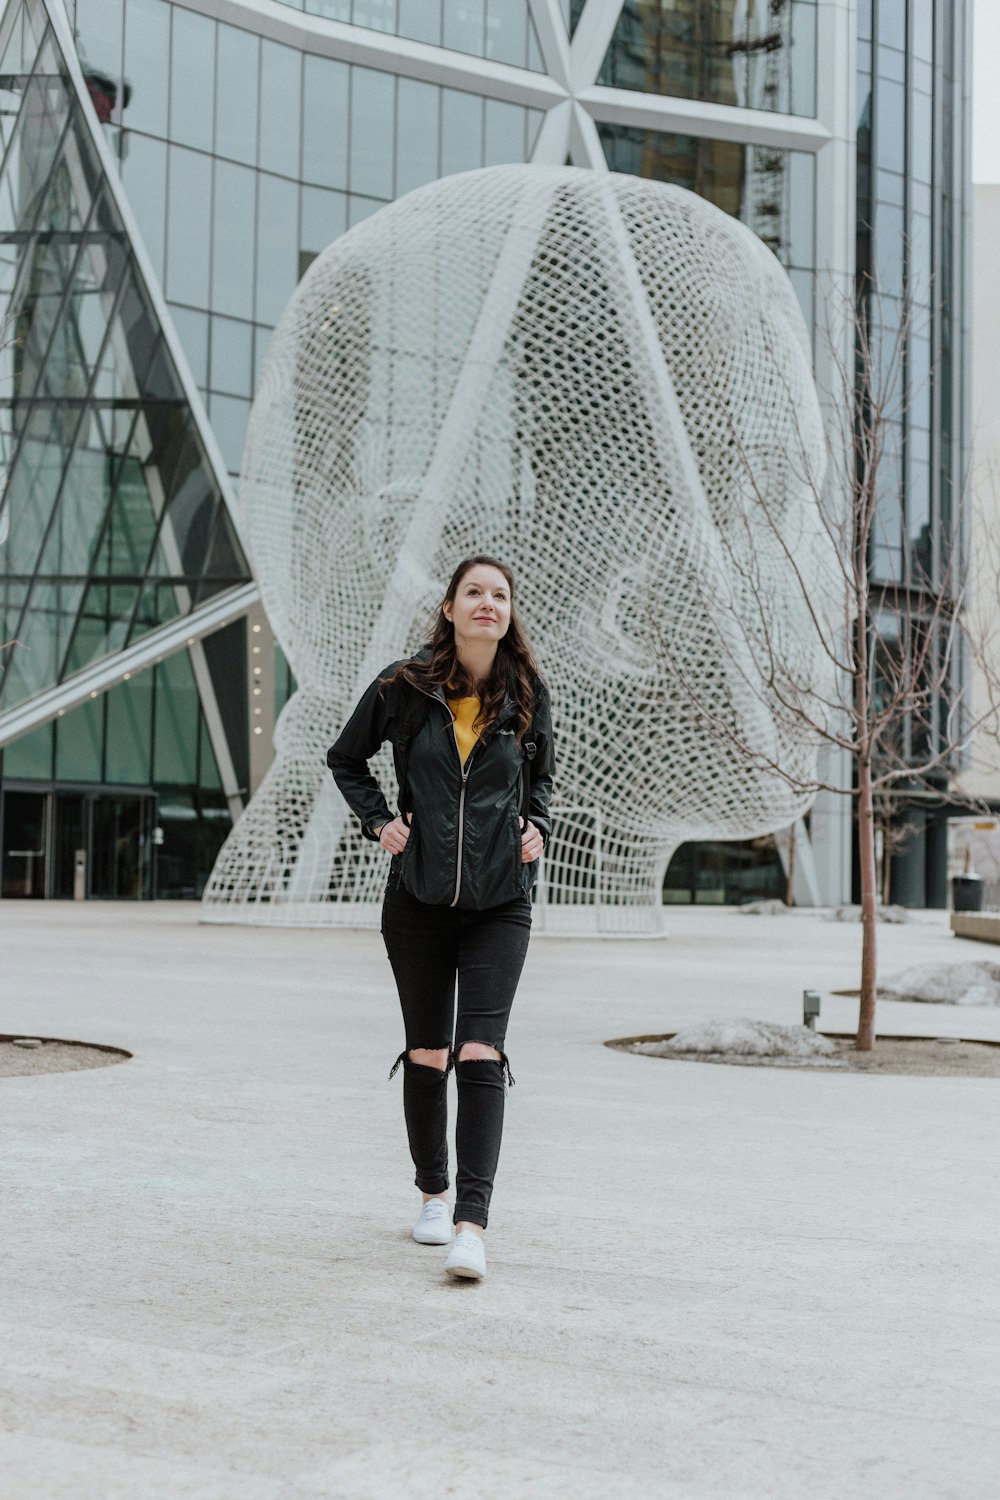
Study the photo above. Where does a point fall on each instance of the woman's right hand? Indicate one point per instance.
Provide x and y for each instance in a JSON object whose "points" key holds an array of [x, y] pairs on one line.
{"points": [[393, 836]]}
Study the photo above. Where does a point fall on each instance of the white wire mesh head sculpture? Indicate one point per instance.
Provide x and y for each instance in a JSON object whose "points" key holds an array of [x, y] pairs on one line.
{"points": [[550, 365]]}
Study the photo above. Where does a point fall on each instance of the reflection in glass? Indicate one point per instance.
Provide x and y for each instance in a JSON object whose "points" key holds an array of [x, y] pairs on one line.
{"points": [[129, 743], [756, 55], [372, 132], [280, 109], [277, 246], [325, 88], [233, 223], [236, 94], [192, 78], [418, 105], [190, 189], [147, 44]]}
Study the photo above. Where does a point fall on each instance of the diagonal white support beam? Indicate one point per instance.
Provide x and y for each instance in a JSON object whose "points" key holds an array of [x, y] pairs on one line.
{"points": [[591, 40], [585, 143], [553, 144], [550, 29], [219, 611], [718, 122], [383, 50]]}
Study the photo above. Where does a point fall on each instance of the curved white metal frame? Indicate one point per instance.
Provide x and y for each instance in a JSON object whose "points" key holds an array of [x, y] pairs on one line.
{"points": [[550, 364]]}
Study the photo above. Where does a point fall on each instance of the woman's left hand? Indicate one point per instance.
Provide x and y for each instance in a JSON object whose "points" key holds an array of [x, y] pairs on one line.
{"points": [[531, 844]]}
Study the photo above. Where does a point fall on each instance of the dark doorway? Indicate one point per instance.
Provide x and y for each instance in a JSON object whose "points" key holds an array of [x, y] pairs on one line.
{"points": [[25, 844], [121, 848]]}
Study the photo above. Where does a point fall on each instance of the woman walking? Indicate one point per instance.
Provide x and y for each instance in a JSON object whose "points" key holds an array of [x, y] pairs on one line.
{"points": [[468, 718]]}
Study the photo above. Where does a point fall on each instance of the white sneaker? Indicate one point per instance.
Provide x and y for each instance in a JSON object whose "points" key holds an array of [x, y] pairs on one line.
{"points": [[467, 1256], [434, 1224]]}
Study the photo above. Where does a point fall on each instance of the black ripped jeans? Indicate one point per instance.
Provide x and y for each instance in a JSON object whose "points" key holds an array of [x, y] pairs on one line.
{"points": [[429, 947]]}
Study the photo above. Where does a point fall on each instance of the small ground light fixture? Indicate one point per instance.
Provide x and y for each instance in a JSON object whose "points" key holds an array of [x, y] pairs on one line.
{"points": [[810, 1008]]}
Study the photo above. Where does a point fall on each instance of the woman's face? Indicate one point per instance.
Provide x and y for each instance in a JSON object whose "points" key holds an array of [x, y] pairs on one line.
{"points": [[481, 607]]}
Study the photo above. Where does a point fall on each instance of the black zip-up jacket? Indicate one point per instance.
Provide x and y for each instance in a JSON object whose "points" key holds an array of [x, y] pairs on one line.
{"points": [[464, 846]]}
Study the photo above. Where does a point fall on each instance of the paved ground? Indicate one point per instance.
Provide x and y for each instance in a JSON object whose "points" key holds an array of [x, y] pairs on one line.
{"points": [[705, 1282]]}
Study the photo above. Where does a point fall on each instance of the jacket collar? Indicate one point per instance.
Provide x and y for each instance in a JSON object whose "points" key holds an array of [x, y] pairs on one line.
{"points": [[507, 707]]}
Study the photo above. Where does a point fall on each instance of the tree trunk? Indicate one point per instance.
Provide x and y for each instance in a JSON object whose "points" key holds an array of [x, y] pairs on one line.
{"points": [[790, 878], [869, 906]]}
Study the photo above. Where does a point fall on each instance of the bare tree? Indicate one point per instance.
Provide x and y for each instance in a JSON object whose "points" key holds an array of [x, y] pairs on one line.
{"points": [[884, 684]]}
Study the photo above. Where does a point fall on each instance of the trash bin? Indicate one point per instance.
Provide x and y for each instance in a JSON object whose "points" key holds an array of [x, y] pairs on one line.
{"points": [[966, 893]]}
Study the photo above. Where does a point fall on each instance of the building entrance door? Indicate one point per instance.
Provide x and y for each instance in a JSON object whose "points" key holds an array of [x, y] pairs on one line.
{"points": [[121, 847], [25, 844]]}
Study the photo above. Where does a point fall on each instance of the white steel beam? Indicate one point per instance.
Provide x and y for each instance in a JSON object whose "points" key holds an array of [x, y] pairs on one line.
{"points": [[93, 680], [550, 29], [381, 49], [591, 40], [719, 122]]}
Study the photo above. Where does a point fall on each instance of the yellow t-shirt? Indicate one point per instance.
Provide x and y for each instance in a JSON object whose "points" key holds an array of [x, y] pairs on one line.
{"points": [[465, 711]]}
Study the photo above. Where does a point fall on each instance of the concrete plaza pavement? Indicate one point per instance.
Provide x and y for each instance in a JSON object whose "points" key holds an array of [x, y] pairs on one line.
{"points": [[704, 1281]]}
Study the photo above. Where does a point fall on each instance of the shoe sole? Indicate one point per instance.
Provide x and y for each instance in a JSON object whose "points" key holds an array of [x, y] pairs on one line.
{"points": [[469, 1272], [433, 1242]]}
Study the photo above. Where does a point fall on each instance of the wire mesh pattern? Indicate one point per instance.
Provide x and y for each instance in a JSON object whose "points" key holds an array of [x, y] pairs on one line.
{"points": [[567, 369]]}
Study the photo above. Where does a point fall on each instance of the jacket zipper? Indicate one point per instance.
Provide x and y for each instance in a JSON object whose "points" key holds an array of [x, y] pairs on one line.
{"points": [[461, 796]]}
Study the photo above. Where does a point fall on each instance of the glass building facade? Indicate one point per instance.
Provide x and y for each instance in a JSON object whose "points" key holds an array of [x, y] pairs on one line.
{"points": [[166, 179]]}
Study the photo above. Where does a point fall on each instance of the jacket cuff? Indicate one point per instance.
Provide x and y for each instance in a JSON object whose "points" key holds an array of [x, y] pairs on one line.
{"points": [[370, 824]]}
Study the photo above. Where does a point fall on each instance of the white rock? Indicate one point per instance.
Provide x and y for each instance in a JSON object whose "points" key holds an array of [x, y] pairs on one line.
{"points": [[770, 908], [747, 1038], [26, 1041], [975, 982]]}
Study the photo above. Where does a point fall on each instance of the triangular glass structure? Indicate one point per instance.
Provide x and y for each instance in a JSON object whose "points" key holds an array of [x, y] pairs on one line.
{"points": [[112, 518]]}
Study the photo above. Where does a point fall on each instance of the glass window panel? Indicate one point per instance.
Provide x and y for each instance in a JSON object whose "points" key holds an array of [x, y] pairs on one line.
{"points": [[280, 108], [30, 756], [80, 513], [755, 56], [131, 524], [232, 356], [420, 20], [129, 739], [192, 80], [892, 22], [379, 15], [232, 246], [504, 133], [889, 125], [889, 250], [177, 711], [187, 523], [324, 217], [506, 31], [465, 25], [889, 187], [192, 329], [461, 132], [229, 423], [535, 60], [325, 94], [372, 132], [801, 247], [802, 71], [144, 172], [208, 769], [418, 105], [802, 281], [79, 741], [157, 606], [188, 226], [31, 491], [103, 626], [332, 10], [891, 65], [237, 64], [147, 44], [921, 136], [277, 246], [99, 26]]}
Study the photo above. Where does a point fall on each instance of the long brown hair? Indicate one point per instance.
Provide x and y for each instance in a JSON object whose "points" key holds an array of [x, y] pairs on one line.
{"points": [[515, 670]]}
